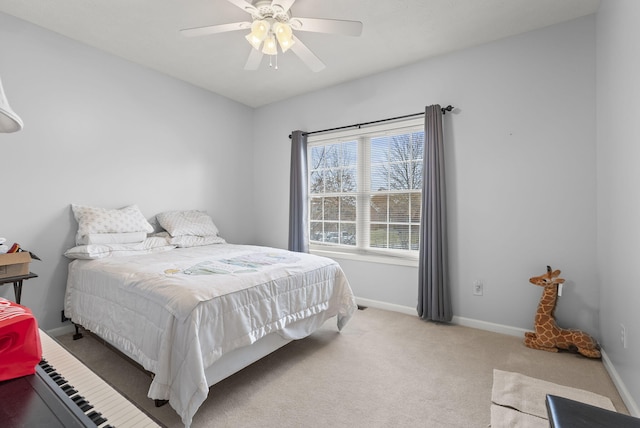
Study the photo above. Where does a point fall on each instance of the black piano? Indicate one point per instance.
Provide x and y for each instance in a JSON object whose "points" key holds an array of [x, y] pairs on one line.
{"points": [[65, 393]]}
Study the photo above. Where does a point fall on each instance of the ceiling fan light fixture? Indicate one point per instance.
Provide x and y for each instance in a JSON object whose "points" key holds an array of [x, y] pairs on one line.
{"points": [[259, 31], [284, 34], [253, 41], [270, 47]]}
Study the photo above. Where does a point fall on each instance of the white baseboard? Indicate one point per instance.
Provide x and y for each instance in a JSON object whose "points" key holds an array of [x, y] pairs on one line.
{"points": [[489, 326], [632, 406], [387, 306], [467, 322]]}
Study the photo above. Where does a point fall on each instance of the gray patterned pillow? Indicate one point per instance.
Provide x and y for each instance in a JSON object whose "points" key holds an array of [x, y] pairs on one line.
{"points": [[100, 220], [194, 223]]}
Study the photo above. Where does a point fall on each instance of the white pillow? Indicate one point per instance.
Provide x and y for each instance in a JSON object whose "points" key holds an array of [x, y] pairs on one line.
{"points": [[96, 251], [112, 238], [195, 223], [101, 220]]}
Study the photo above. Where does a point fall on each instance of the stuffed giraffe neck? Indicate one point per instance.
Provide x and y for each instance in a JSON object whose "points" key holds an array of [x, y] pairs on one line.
{"points": [[548, 336]]}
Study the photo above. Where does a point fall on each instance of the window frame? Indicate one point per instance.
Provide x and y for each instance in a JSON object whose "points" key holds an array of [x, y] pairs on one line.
{"points": [[359, 251]]}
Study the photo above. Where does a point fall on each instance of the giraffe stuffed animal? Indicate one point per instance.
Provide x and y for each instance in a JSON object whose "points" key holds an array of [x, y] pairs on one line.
{"points": [[548, 336]]}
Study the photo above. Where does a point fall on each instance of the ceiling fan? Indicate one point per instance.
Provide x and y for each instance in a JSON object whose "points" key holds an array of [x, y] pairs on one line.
{"points": [[271, 21]]}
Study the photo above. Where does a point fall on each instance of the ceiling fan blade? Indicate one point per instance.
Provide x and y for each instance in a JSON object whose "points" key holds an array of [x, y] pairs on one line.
{"points": [[214, 29], [303, 52], [285, 5], [332, 26], [254, 60], [246, 6]]}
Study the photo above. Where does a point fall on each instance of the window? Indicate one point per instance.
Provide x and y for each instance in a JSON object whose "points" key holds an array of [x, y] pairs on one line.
{"points": [[365, 189]]}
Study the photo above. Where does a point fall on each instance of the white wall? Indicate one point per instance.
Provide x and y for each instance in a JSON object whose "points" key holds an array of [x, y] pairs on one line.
{"points": [[102, 131], [618, 94], [520, 169]]}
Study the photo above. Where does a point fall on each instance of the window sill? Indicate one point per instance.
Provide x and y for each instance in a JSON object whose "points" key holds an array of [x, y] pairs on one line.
{"points": [[370, 258]]}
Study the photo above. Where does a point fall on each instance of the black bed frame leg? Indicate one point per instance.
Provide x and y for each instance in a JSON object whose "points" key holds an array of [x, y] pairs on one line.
{"points": [[160, 403], [78, 335]]}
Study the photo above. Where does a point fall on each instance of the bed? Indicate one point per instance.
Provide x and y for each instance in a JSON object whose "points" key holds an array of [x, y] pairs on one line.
{"points": [[194, 311]]}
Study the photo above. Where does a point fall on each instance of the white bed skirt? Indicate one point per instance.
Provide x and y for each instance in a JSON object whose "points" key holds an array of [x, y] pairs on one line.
{"points": [[240, 358]]}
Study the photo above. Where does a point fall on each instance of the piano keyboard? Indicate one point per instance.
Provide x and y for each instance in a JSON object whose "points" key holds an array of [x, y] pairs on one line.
{"points": [[97, 399]]}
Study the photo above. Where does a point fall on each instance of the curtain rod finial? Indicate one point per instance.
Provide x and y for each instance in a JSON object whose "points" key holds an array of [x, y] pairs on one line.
{"points": [[446, 109]]}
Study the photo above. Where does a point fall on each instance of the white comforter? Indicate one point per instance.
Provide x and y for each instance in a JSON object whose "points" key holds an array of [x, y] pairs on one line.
{"points": [[177, 312]]}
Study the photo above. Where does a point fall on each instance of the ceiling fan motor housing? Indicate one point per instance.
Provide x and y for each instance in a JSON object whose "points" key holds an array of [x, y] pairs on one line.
{"points": [[265, 10]]}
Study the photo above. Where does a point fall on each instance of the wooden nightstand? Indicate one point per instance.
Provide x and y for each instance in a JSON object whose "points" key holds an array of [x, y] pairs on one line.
{"points": [[17, 283]]}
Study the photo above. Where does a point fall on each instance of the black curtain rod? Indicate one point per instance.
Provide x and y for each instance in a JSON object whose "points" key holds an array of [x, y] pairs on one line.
{"points": [[359, 125]]}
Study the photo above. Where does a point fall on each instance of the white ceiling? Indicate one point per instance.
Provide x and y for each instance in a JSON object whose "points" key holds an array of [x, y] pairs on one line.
{"points": [[395, 33]]}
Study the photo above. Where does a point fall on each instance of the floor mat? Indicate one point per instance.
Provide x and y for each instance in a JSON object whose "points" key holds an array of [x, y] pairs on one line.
{"points": [[519, 400]]}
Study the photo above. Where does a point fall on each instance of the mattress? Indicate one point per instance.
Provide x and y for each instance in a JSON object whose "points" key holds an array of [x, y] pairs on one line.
{"points": [[177, 312]]}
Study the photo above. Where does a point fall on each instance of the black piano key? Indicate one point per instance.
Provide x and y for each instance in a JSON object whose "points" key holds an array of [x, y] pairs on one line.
{"points": [[96, 417], [83, 404], [58, 379], [69, 390]]}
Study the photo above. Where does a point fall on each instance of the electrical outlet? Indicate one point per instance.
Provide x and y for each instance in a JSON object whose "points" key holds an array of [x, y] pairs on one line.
{"points": [[623, 336], [478, 287]]}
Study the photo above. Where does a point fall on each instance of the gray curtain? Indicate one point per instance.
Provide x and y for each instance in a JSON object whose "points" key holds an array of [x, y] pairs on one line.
{"points": [[434, 299], [298, 218]]}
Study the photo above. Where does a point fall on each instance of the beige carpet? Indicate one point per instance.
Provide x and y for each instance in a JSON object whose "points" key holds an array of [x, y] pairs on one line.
{"points": [[385, 369], [519, 401]]}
